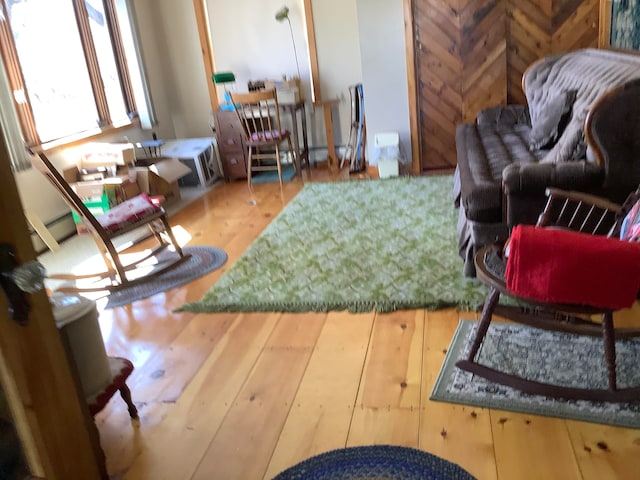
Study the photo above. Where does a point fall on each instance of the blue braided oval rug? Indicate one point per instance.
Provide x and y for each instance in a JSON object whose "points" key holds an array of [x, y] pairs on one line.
{"points": [[202, 261], [375, 462]]}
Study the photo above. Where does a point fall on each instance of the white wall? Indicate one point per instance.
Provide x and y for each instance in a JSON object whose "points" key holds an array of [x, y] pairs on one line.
{"points": [[357, 41], [251, 43], [339, 63], [384, 70], [248, 41], [180, 56]]}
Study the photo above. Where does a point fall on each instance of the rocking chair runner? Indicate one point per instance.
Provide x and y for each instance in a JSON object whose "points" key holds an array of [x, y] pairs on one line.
{"points": [[123, 218], [573, 211]]}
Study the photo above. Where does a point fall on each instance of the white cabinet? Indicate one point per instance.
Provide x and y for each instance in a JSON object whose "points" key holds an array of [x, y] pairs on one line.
{"points": [[200, 155]]}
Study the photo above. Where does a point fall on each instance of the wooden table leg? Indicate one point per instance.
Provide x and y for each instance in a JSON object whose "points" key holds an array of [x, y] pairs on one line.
{"points": [[332, 157], [328, 128], [294, 138]]}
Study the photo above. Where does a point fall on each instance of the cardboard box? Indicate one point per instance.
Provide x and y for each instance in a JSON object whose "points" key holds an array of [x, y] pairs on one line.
{"points": [[100, 195], [158, 178], [95, 154], [119, 188], [288, 91], [161, 178]]}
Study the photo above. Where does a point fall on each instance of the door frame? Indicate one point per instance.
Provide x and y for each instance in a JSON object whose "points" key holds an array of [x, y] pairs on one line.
{"points": [[58, 435]]}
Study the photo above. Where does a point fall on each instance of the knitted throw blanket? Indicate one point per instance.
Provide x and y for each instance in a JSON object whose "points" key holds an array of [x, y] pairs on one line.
{"points": [[588, 74]]}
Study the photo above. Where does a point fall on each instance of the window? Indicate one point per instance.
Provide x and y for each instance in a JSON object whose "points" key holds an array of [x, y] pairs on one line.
{"points": [[66, 67]]}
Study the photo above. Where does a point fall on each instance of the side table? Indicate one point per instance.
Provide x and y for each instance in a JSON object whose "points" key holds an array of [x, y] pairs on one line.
{"points": [[301, 154]]}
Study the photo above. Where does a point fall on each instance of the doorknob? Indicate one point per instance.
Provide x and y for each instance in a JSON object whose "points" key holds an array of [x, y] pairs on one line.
{"points": [[16, 280]]}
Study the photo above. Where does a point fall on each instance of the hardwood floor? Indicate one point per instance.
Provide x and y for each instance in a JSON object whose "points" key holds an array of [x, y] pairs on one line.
{"points": [[243, 396]]}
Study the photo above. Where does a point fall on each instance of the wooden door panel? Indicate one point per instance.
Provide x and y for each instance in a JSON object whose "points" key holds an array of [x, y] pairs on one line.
{"points": [[457, 48]]}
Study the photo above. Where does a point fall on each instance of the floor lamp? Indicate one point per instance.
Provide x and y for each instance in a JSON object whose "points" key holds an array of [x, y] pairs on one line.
{"points": [[281, 16]]}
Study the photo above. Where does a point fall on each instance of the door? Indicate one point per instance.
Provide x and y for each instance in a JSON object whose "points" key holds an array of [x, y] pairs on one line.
{"points": [[58, 436], [460, 62]]}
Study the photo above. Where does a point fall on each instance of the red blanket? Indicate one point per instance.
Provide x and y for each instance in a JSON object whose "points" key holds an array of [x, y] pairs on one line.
{"points": [[561, 266]]}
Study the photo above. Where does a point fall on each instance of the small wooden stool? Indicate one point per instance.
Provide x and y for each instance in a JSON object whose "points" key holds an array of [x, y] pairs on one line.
{"points": [[121, 368]]}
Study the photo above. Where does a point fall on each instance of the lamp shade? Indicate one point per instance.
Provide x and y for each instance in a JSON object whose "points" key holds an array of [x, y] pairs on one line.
{"points": [[282, 14], [223, 77]]}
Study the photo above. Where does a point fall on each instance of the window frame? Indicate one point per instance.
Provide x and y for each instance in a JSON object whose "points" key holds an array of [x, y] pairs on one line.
{"points": [[17, 82]]}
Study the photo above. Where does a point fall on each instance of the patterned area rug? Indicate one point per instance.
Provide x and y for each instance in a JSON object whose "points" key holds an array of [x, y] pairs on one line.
{"points": [[552, 357], [202, 261], [377, 462], [360, 245]]}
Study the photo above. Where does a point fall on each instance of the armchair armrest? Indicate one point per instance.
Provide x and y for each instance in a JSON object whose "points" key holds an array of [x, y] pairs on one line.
{"points": [[525, 185]]}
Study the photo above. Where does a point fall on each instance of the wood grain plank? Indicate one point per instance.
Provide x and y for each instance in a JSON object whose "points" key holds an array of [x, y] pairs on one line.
{"points": [[173, 438], [459, 433], [247, 437], [521, 440], [199, 412], [164, 377], [124, 440], [388, 403], [384, 426], [321, 413], [603, 451], [392, 372]]}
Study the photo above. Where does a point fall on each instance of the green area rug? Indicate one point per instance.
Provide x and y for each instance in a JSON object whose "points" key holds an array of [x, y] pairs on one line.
{"points": [[359, 245], [544, 356]]}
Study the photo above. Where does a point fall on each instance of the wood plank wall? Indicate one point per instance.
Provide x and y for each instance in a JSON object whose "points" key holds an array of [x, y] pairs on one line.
{"points": [[471, 54], [541, 27]]}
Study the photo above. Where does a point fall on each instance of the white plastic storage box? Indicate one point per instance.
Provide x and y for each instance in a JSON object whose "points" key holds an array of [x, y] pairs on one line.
{"points": [[386, 153]]}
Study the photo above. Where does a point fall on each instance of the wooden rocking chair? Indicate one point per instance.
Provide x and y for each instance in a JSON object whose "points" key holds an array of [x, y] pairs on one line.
{"points": [[126, 217], [572, 211]]}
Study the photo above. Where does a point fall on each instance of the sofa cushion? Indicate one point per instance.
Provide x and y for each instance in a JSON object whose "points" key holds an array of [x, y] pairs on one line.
{"points": [[549, 123]]}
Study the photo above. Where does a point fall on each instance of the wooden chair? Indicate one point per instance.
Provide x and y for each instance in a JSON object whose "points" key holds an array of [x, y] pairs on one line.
{"points": [[567, 210], [124, 218], [259, 115]]}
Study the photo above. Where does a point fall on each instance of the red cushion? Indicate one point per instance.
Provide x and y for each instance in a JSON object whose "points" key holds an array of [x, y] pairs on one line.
{"points": [[128, 213], [561, 266]]}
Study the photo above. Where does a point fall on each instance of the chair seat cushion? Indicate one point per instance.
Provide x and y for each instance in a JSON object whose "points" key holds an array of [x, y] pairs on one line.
{"points": [[562, 266], [128, 213], [268, 135]]}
